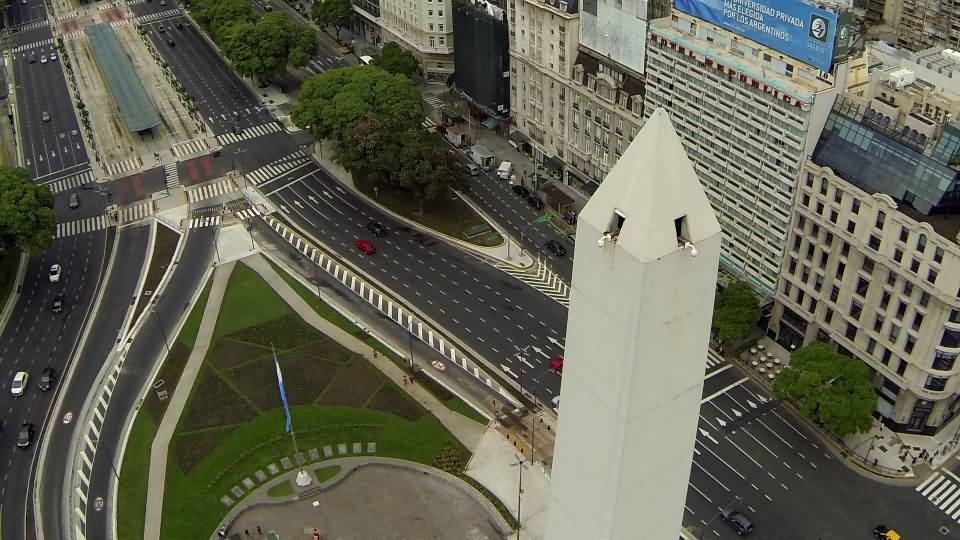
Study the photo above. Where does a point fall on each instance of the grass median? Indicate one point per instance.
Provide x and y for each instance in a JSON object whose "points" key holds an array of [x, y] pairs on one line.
{"points": [[233, 425]]}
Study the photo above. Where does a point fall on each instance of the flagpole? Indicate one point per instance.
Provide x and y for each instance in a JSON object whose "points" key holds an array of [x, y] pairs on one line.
{"points": [[303, 478]]}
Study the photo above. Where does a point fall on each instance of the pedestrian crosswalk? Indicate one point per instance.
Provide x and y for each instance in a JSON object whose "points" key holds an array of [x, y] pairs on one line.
{"points": [[211, 190], [248, 213], [205, 221], [166, 14], [120, 23], [119, 167], [276, 168], [187, 148], [34, 45], [433, 101], [542, 279], [942, 490], [136, 212], [71, 182], [428, 122], [36, 25], [251, 132], [713, 359], [171, 176], [67, 16], [321, 64], [80, 226]]}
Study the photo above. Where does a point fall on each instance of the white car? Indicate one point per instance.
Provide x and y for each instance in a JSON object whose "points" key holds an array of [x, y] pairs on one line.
{"points": [[19, 384], [53, 56], [43, 59], [55, 273]]}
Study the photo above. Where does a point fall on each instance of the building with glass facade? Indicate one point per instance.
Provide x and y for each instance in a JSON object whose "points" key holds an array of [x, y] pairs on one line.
{"points": [[748, 116], [872, 262]]}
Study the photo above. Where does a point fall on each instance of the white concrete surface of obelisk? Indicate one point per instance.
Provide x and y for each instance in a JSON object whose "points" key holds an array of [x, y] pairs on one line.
{"points": [[637, 338]]}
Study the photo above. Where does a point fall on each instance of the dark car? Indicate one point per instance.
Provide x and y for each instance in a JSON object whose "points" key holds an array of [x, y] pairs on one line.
{"points": [[555, 247], [25, 435], [521, 191], [377, 229], [740, 523], [161, 29], [47, 377], [57, 305], [535, 202], [171, 43]]}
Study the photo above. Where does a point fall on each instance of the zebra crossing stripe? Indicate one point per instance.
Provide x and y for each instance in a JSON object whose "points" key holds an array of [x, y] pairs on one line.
{"points": [[71, 182], [204, 221], [251, 132], [34, 45], [80, 226]]}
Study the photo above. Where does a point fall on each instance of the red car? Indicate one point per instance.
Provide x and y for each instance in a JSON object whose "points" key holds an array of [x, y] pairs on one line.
{"points": [[556, 364], [366, 246]]}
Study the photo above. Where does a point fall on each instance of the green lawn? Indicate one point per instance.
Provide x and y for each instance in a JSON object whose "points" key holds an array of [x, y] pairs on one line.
{"points": [[322, 474], [132, 490], [464, 408], [281, 491], [447, 213], [233, 425], [164, 246]]}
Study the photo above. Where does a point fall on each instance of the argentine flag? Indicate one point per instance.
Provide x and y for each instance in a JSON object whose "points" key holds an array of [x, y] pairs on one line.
{"points": [[283, 394]]}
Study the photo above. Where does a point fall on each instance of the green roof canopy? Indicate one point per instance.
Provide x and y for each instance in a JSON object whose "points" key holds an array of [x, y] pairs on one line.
{"points": [[135, 106]]}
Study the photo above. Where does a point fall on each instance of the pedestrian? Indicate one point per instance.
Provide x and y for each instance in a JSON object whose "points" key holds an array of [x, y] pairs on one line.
{"points": [[222, 533], [259, 530], [246, 532]]}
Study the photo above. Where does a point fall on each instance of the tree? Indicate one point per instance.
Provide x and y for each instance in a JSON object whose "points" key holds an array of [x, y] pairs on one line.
{"points": [[735, 312], [425, 171], [27, 221], [264, 49], [334, 14], [334, 101], [218, 15], [396, 59], [833, 390]]}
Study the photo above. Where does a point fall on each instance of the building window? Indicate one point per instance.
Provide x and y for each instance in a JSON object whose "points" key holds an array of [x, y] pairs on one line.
{"points": [[877, 322], [954, 316], [907, 289], [894, 333], [834, 293], [910, 344], [924, 298], [884, 299], [837, 196], [904, 234], [845, 249], [809, 180], [922, 243], [880, 219], [851, 226], [917, 321], [833, 216], [901, 310], [862, 286], [817, 282], [932, 276], [914, 265], [874, 243], [823, 260], [792, 266], [840, 269], [805, 199], [867, 265], [801, 222], [800, 296], [935, 384], [892, 278], [856, 308], [828, 316], [851, 332], [786, 288], [796, 243], [805, 274], [810, 251], [871, 346], [950, 339], [898, 255], [828, 239], [885, 357], [901, 367], [944, 361], [855, 206], [813, 306], [819, 208], [823, 186], [938, 255]]}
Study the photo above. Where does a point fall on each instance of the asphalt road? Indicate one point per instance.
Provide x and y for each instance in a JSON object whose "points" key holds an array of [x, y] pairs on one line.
{"points": [[223, 99], [54, 147], [147, 348], [21, 12], [118, 295], [36, 338]]}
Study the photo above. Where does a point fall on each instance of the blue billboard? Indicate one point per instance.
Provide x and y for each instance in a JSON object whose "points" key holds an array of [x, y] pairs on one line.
{"points": [[796, 29]]}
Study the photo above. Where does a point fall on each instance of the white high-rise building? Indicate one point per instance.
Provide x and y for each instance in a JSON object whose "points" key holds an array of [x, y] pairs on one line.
{"points": [[424, 27], [749, 116], [644, 278]]}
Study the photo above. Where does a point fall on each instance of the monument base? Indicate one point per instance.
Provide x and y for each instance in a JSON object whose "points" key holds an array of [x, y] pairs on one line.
{"points": [[303, 478]]}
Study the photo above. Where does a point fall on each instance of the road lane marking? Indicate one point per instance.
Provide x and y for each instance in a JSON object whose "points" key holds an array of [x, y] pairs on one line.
{"points": [[724, 390]]}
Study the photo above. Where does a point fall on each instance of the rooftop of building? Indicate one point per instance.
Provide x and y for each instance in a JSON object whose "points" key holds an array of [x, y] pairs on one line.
{"points": [[591, 61], [937, 68], [136, 108], [804, 85]]}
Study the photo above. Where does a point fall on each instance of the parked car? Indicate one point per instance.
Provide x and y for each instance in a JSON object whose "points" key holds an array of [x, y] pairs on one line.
{"points": [[57, 305], [737, 521], [25, 435], [45, 117], [47, 378], [55, 272], [535, 202], [555, 247], [366, 246], [19, 384], [53, 56], [74, 200], [43, 59], [377, 229], [472, 169], [521, 191]]}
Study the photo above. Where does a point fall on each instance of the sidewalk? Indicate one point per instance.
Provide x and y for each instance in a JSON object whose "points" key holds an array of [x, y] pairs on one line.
{"points": [[161, 442], [879, 451]]}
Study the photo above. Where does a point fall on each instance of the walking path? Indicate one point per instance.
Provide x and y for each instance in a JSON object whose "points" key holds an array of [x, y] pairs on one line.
{"points": [[161, 442]]}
